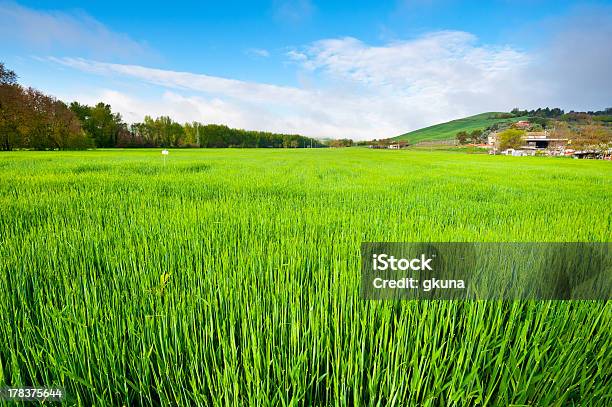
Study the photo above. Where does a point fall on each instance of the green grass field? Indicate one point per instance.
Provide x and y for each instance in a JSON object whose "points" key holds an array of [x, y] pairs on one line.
{"points": [[231, 277], [448, 130]]}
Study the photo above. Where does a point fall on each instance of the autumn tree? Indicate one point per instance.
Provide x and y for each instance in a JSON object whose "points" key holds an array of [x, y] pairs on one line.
{"points": [[31, 119], [463, 137], [592, 137]]}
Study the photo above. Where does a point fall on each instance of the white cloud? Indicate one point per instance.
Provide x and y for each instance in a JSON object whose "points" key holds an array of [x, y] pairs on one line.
{"points": [[375, 92], [57, 31], [293, 11], [181, 108], [252, 91], [258, 52], [296, 55], [314, 112], [437, 64]]}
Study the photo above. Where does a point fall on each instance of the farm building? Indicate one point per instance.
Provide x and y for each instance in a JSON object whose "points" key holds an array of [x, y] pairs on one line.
{"points": [[532, 142], [522, 124], [540, 140], [594, 154], [518, 152]]}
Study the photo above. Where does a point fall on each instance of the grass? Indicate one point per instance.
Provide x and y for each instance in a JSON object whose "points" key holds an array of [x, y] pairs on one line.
{"points": [[450, 148], [448, 130], [230, 277]]}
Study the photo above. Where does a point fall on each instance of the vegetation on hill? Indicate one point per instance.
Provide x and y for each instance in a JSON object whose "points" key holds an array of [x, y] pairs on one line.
{"points": [[556, 113], [581, 130], [591, 129], [448, 130]]}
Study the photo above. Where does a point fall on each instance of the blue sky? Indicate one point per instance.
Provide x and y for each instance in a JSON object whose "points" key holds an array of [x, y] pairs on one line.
{"points": [[325, 69]]}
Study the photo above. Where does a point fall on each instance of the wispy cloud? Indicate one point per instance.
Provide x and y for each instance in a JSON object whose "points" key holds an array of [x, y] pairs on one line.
{"points": [[248, 91], [293, 11], [66, 32], [314, 112], [372, 92], [437, 61], [258, 52]]}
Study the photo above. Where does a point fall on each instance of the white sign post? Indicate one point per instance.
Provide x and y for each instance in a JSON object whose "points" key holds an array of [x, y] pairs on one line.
{"points": [[164, 154]]}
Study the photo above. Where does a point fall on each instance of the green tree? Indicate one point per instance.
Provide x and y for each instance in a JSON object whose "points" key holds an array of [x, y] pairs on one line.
{"points": [[341, 143], [510, 138], [7, 77], [100, 123], [192, 134], [476, 136], [463, 137]]}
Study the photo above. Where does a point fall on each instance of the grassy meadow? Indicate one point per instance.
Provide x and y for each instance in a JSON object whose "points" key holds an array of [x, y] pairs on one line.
{"points": [[231, 277]]}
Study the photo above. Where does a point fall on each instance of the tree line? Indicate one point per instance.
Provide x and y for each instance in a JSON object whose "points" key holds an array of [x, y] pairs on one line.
{"points": [[539, 112], [557, 113], [29, 119], [164, 132]]}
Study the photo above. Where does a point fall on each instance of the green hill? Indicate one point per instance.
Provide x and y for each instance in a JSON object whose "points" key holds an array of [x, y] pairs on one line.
{"points": [[448, 130]]}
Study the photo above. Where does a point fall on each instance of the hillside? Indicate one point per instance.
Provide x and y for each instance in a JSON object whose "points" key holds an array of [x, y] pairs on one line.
{"points": [[447, 131]]}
